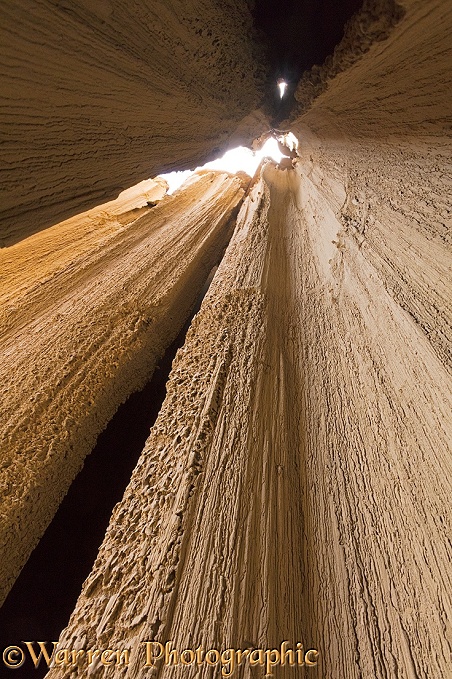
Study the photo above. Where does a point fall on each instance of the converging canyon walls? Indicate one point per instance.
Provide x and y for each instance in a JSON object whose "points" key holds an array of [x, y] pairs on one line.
{"points": [[296, 484], [81, 333], [284, 491]]}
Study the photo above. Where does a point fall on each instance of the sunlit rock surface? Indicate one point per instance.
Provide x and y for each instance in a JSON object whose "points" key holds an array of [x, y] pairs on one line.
{"points": [[53, 249], [98, 95], [83, 328]]}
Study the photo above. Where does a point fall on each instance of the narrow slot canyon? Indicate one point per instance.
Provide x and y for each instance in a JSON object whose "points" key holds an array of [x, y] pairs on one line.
{"points": [[142, 280], [43, 596], [286, 475]]}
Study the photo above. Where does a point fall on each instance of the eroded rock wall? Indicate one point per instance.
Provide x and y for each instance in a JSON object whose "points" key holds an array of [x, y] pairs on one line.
{"points": [[98, 95], [296, 483], [196, 550], [376, 403], [399, 89], [374, 206], [380, 137], [83, 328]]}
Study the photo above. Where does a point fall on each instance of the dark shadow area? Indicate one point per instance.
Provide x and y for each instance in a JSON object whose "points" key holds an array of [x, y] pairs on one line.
{"points": [[299, 34], [45, 593]]}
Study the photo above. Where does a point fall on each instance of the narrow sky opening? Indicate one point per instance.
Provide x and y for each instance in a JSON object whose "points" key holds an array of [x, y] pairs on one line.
{"points": [[240, 159], [282, 87]]}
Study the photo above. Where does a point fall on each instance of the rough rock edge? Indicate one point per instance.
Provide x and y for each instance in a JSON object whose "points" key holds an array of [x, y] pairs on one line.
{"points": [[109, 94], [372, 23]]}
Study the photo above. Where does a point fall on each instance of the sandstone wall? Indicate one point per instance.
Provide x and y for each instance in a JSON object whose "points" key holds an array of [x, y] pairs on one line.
{"points": [[83, 327], [196, 549], [98, 95], [297, 480], [374, 203], [379, 137], [376, 401]]}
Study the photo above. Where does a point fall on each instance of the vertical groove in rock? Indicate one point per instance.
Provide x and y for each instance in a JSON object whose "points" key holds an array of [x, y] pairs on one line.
{"points": [[296, 483], [214, 479], [99, 95], [80, 333]]}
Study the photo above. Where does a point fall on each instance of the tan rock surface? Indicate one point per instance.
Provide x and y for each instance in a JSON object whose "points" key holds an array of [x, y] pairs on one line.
{"points": [[83, 329], [400, 88], [98, 95], [52, 250], [380, 134], [297, 481]]}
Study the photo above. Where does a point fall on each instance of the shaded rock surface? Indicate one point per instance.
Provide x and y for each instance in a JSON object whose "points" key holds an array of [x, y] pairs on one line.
{"points": [[296, 482], [373, 23], [83, 330], [379, 137], [100, 95], [400, 87]]}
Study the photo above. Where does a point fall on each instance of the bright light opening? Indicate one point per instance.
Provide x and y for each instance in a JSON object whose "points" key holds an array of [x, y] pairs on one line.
{"points": [[282, 87], [290, 141], [244, 159], [175, 179], [240, 159]]}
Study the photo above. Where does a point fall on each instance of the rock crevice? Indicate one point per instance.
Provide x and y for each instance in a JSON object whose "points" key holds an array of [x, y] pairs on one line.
{"points": [[96, 322]]}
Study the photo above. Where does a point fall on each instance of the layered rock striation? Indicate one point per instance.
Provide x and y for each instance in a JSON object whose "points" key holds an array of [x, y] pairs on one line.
{"points": [[398, 90], [82, 330], [296, 482], [98, 95], [380, 134]]}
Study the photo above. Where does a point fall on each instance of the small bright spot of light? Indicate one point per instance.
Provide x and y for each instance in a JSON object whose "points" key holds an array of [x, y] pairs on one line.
{"points": [[282, 87], [240, 159]]}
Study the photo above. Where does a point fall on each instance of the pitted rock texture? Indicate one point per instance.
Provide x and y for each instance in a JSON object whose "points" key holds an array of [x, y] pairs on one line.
{"points": [[296, 483], [187, 554], [401, 86], [373, 23], [100, 95], [82, 330]]}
